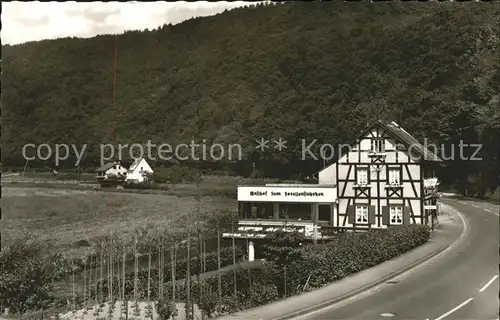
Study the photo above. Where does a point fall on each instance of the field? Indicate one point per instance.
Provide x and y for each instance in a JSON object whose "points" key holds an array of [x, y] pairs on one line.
{"points": [[70, 220]]}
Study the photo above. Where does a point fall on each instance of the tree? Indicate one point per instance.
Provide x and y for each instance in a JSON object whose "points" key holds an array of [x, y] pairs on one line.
{"points": [[26, 276]]}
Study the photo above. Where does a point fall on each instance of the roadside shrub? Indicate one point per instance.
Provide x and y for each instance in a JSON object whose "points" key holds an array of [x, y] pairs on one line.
{"points": [[146, 185], [262, 293], [177, 174], [351, 253], [26, 276], [316, 265], [283, 246], [496, 195], [207, 300]]}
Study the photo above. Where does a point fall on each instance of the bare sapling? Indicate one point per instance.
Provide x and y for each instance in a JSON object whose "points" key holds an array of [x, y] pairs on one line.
{"points": [[219, 273], [73, 283], [96, 276], [137, 310], [125, 302], [85, 286], [148, 307], [158, 252], [91, 265], [101, 280], [172, 269], [188, 280], [234, 260]]}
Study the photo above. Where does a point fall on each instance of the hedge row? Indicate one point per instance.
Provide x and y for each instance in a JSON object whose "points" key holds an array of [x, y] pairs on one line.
{"points": [[321, 264], [350, 253]]}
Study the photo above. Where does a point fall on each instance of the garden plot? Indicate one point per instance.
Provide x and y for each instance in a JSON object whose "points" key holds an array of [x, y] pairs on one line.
{"points": [[92, 313]]}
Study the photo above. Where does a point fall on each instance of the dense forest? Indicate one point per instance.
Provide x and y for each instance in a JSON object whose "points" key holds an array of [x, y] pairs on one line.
{"points": [[319, 70]]}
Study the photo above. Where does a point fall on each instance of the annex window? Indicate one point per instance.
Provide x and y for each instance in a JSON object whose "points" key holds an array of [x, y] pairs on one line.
{"points": [[362, 176], [361, 214], [396, 215], [378, 145], [394, 177], [324, 212], [295, 211], [262, 211]]}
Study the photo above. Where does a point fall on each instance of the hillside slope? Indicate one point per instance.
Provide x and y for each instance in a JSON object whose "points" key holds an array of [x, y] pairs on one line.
{"points": [[297, 71]]}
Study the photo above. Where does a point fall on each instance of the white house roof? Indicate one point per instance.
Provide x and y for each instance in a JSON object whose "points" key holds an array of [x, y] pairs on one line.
{"points": [[135, 164], [107, 166]]}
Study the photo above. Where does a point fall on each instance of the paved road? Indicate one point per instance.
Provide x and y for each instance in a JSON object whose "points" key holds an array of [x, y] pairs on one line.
{"points": [[463, 284]]}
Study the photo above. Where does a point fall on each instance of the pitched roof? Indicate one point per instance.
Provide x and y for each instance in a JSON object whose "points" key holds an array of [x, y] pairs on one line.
{"points": [[135, 164], [402, 135], [107, 166], [410, 141]]}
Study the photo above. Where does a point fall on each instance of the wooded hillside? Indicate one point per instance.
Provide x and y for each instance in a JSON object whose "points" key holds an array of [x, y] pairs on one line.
{"points": [[297, 71]]}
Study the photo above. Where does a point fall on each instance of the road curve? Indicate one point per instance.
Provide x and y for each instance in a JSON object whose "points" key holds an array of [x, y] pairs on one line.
{"points": [[463, 284]]}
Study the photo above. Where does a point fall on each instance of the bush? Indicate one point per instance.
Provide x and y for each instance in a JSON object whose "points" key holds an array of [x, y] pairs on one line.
{"points": [[495, 196], [321, 264], [351, 253], [140, 185], [177, 174], [283, 246], [26, 276], [207, 301]]}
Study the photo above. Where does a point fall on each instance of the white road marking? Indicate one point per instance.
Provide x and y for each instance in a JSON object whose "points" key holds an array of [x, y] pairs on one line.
{"points": [[387, 315], [455, 309], [488, 210], [475, 206], [488, 284], [380, 287]]}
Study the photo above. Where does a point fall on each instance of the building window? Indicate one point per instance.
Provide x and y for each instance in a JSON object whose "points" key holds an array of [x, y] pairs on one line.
{"points": [[361, 214], [295, 211], [262, 211], [396, 215], [362, 178], [394, 177], [378, 145], [324, 212]]}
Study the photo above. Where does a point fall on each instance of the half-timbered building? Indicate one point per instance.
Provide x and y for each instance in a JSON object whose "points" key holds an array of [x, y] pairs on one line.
{"points": [[386, 178]]}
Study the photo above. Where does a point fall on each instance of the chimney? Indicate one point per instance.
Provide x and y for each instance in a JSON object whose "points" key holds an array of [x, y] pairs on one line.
{"points": [[395, 124]]}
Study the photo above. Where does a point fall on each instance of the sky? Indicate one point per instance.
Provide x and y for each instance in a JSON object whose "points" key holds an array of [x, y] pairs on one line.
{"points": [[34, 20]]}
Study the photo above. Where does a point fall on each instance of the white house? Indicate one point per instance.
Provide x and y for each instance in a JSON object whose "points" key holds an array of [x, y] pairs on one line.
{"points": [[138, 171], [111, 170], [386, 178]]}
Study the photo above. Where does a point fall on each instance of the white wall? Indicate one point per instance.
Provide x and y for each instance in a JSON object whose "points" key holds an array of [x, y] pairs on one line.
{"points": [[116, 170], [328, 175], [138, 174]]}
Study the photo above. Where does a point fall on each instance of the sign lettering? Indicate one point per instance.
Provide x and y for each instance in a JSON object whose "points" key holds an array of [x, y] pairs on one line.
{"points": [[288, 194]]}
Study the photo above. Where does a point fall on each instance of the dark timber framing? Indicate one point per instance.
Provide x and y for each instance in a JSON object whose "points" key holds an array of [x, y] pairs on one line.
{"points": [[399, 151]]}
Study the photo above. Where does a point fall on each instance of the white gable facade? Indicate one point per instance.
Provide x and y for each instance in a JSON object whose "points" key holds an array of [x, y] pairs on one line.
{"points": [[138, 171], [115, 170], [380, 182]]}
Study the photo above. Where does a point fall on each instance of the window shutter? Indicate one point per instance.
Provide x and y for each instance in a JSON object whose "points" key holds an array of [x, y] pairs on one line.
{"points": [[406, 215], [371, 214], [385, 215], [351, 214]]}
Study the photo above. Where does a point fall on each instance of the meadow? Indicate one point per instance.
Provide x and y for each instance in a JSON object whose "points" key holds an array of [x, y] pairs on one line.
{"points": [[70, 220], [72, 215]]}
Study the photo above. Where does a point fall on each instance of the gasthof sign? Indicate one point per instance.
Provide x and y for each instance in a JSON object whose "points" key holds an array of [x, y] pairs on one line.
{"points": [[287, 194]]}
